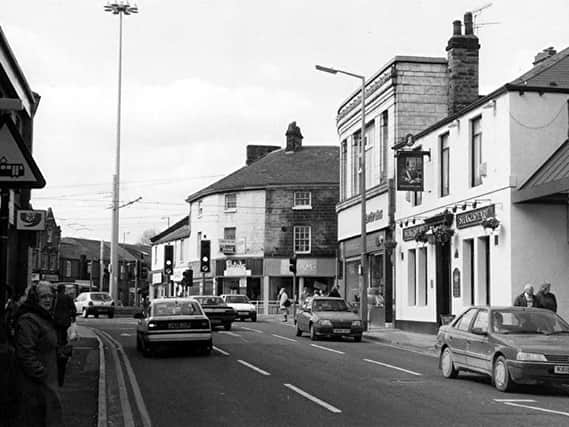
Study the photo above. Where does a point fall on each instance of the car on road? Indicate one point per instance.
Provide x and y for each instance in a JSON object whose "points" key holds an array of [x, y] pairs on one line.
{"points": [[242, 305], [95, 303], [512, 345], [328, 317], [173, 321], [217, 311]]}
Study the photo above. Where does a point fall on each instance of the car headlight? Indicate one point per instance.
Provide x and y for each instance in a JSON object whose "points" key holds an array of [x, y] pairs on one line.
{"points": [[356, 323], [325, 323], [530, 357], [152, 325]]}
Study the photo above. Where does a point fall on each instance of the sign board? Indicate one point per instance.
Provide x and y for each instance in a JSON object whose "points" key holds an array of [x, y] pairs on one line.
{"points": [[235, 268], [474, 217], [27, 220], [410, 170], [17, 166]]}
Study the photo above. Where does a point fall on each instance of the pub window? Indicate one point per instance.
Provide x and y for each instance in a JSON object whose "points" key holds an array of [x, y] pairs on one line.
{"points": [[302, 199], [302, 239], [356, 163], [231, 201], [445, 165], [476, 151], [411, 278]]}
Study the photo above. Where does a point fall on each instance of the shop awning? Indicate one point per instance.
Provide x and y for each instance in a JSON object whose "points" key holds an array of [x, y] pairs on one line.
{"points": [[550, 183]]}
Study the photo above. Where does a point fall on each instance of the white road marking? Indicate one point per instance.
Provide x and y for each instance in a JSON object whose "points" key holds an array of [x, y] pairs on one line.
{"points": [[551, 411], [328, 349], [233, 334], [514, 400], [220, 351], [392, 367], [314, 399], [283, 338], [259, 370], [251, 329], [124, 334]]}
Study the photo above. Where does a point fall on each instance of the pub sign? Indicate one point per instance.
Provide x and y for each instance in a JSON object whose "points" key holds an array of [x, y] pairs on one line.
{"points": [[410, 171]]}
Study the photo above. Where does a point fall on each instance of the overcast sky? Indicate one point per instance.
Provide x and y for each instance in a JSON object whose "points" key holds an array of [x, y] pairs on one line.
{"points": [[203, 79]]}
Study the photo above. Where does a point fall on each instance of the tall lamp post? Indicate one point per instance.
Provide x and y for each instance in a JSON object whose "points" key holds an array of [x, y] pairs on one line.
{"points": [[362, 159], [117, 7]]}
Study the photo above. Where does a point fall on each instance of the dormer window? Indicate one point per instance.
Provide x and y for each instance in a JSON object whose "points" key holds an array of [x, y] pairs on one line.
{"points": [[302, 200], [231, 202]]}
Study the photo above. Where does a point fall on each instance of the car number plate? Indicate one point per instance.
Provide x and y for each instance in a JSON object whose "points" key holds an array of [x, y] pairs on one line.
{"points": [[561, 369], [341, 331], [180, 325]]}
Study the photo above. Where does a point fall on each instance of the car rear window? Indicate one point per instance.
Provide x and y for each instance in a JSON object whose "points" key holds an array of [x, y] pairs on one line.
{"points": [[329, 305], [211, 301], [176, 308], [237, 298], [101, 297]]}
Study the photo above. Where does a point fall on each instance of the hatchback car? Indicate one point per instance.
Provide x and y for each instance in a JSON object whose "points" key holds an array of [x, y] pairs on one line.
{"points": [[173, 321], [242, 305], [217, 311], [95, 303], [327, 316], [513, 345]]}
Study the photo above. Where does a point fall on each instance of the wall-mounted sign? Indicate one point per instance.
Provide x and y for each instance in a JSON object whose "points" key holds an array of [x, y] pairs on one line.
{"points": [[409, 233], [27, 220], [227, 246], [376, 215], [474, 217], [456, 283], [235, 268], [410, 170]]}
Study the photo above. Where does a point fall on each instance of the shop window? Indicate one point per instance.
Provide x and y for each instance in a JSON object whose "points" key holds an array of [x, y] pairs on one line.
{"points": [[302, 200], [356, 163], [411, 278], [445, 165], [230, 202], [302, 239], [476, 151], [343, 170], [422, 276]]}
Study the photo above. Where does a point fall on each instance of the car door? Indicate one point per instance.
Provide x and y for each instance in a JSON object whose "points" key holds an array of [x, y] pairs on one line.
{"points": [[458, 335], [478, 348]]}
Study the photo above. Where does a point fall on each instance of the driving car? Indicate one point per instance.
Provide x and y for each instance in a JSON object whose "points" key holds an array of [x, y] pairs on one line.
{"points": [[242, 305], [217, 311], [95, 303], [328, 317], [512, 345], [173, 321]]}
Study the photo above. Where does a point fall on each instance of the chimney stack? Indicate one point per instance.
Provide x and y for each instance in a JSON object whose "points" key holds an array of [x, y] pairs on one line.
{"points": [[293, 138], [542, 56], [462, 65]]}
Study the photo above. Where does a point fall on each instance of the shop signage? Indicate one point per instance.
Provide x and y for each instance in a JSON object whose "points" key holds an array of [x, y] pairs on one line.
{"points": [[28, 220], [156, 278], [236, 268], [409, 233], [373, 216], [227, 246], [410, 170], [474, 217]]}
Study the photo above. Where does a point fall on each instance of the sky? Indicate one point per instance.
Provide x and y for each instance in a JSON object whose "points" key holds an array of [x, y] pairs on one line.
{"points": [[203, 79]]}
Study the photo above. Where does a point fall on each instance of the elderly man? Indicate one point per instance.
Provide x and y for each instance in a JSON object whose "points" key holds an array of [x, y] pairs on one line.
{"points": [[526, 298], [546, 299]]}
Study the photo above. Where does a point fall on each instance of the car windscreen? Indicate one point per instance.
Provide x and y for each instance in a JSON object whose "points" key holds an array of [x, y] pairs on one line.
{"points": [[528, 322], [237, 299], [211, 301], [329, 305], [175, 308], [101, 297]]}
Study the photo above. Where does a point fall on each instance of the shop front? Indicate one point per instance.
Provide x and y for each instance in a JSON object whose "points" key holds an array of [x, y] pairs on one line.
{"points": [[239, 276]]}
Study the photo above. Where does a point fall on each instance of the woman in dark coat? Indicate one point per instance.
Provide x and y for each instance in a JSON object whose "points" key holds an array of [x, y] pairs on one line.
{"points": [[546, 299], [39, 403]]}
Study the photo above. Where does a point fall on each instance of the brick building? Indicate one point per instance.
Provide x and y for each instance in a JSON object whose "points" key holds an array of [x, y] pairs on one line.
{"points": [[45, 253]]}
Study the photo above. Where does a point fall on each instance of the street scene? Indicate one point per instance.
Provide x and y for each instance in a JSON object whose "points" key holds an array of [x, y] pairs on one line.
{"points": [[284, 213]]}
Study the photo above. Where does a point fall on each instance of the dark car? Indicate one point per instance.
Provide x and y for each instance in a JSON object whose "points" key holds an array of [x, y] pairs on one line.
{"points": [[328, 317], [218, 312], [513, 345]]}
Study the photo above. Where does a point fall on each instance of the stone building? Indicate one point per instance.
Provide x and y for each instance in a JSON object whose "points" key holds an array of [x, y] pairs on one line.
{"points": [[45, 253]]}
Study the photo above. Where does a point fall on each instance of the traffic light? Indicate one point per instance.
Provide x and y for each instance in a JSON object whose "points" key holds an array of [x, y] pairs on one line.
{"points": [[292, 264], [188, 278], [205, 249], [168, 259]]}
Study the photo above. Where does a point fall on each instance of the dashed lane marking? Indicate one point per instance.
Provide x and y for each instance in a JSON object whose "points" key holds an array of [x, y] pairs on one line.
{"points": [[233, 334], [253, 367], [327, 349], [536, 408], [220, 351], [387, 365], [313, 399], [283, 338], [251, 329]]}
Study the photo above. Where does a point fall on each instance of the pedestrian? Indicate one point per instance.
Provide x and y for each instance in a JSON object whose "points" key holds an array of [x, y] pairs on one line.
{"points": [[284, 303], [145, 306], [546, 299], [526, 298], [64, 314], [35, 343], [334, 292]]}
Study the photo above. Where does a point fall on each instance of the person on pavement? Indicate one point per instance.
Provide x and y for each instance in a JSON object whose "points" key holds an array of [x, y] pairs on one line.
{"points": [[284, 303], [546, 299], [35, 341], [64, 314], [526, 298]]}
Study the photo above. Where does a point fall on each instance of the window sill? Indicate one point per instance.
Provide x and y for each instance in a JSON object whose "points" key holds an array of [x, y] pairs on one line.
{"points": [[302, 208], [230, 210]]}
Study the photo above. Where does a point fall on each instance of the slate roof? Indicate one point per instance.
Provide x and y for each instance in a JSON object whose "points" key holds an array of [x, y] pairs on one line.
{"points": [[552, 72], [308, 165], [176, 231], [73, 248]]}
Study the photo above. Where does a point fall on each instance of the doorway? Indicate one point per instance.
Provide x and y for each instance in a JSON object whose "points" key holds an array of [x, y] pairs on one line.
{"points": [[443, 263]]}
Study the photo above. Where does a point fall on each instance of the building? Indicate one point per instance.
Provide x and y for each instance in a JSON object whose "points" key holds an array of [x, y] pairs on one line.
{"points": [[45, 253], [493, 214], [282, 203]]}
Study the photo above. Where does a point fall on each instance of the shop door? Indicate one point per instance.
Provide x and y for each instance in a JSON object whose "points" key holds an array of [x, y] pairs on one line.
{"points": [[376, 290], [443, 287]]}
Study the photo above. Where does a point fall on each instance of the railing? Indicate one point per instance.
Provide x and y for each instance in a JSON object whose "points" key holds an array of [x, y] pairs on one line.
{"points": [[273, 307]]}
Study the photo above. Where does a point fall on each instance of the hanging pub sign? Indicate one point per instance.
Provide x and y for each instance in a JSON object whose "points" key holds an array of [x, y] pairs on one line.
{"points": [[410, 170]]}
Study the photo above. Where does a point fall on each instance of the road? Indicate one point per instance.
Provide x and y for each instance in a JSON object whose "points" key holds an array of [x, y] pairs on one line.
{"points": [[261, 374]]}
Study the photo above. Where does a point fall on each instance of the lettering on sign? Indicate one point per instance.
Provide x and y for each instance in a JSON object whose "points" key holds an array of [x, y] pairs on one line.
{"points": [[474, 217], [236, 268], [409, 233], [376, 215]]}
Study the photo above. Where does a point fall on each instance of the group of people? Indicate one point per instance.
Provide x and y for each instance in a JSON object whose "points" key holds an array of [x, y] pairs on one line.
{"points": [[544, 298], [285, 303], [35, 333]]}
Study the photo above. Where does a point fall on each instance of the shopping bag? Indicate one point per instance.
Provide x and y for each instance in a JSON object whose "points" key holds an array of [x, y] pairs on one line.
{"points": [[72, 333]]}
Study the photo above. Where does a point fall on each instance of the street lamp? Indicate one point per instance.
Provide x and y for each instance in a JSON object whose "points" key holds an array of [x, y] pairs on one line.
{"points": [[363, 261], [117, 7]]}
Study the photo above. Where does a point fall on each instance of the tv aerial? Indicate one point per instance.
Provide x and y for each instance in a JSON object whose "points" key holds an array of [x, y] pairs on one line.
{"points": [[475, 13]]}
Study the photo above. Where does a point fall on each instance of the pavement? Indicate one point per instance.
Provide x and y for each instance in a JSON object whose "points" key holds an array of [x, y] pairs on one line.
{"points": [[91, 389]]}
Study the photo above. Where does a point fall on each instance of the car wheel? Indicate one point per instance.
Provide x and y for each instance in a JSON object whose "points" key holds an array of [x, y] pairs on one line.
{"points": [[447, 364], [358, 338], [138, 345], [227, 326], [313, 336], [254, 317], [501, 376], [84, 313], [298, 331], [146, 348]]}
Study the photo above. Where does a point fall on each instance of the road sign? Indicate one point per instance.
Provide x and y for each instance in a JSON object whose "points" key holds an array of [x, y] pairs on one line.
{"points": [[17, 166]]}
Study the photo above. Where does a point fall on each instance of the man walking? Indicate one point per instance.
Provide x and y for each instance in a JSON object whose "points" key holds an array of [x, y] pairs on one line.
{"points": [[545, 298], [64, 316], [284, 303]]}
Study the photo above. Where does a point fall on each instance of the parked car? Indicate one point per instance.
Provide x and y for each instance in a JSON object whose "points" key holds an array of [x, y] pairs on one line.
{"points": [[513, 345], [328, 317], [95, 303], [242, 305], [173, 321], [217, 311]]}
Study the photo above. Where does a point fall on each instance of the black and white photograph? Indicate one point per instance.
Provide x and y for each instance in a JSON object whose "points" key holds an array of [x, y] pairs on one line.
{"points": [[284, 213]]}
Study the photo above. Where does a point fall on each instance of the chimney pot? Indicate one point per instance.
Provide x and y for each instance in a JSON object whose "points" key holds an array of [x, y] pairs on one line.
{"points": [[293, 137], [456, 28], [468, 24], [546, 53]]}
